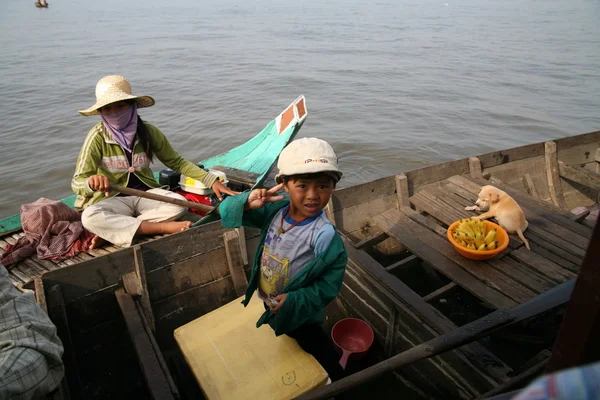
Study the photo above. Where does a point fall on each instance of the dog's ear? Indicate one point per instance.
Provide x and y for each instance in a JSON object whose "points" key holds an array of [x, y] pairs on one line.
{"points": [[494, 197]]}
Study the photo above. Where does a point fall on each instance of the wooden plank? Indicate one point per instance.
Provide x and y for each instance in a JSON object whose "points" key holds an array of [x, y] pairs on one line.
{"points": [[435, 173], [241, 231], [522, 378], [573, 267], [140, 271], [529, 186], [373, 239], [440, 292], [440, 211], [528, 278], [552, 175], [329, 211], [544, 266], [411, 259], [410, 234], [556, 251], [562, 242], [402, 190], [363, 193], [40, 294], [234, 261], [580, 216], [155, 378], [475, 167], [597, 159], [58, 315], [580, 175]]}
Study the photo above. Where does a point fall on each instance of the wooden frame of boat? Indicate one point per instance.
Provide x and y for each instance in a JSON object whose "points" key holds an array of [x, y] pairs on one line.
{"points": [[401, 277]]}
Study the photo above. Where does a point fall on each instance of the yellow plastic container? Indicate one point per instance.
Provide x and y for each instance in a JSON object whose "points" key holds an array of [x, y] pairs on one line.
{"points": [[232, 359]]}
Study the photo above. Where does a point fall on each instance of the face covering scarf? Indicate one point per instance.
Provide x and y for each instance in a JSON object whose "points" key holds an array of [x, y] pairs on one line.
{"points": [[123, 126]]}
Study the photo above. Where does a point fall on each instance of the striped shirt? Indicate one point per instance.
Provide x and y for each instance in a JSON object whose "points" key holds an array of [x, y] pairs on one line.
{"points": [[30, 351]]}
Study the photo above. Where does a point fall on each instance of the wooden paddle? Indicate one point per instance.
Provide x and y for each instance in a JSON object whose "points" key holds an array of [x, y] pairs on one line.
{"points": [[158, 197]]}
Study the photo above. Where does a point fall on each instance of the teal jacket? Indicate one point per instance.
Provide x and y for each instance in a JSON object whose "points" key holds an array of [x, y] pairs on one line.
{"points": [[311, 290]]}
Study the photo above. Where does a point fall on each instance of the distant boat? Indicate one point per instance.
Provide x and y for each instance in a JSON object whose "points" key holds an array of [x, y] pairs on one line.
{"points": [[41, 4]]}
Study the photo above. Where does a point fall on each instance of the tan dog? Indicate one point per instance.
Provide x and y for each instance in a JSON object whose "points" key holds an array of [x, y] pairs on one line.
{"points": [[505, 209]]}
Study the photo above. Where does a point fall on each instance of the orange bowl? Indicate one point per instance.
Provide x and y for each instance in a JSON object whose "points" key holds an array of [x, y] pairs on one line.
{"points": [[501, 237]]}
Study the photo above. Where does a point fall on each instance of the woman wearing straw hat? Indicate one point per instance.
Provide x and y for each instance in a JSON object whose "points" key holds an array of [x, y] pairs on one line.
{"points": [[118, 150]]}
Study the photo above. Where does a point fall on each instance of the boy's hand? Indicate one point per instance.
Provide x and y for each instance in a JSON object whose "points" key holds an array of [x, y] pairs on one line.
{"points": [[259, 197], [279, 299]]}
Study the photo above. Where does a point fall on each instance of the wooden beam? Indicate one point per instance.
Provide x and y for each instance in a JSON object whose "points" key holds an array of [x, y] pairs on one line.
{"points": [[518, 380], [58, 313], [580, 175], [40, 294], [156, 381], [475, 167], [140, 271], [597, 158], [529, 186], [241, 231], [580, 216], [577, 340], [552, 175], [440, 292], [405, 261], [371, 240], [329, 211], [235, 262], [402, 190]]}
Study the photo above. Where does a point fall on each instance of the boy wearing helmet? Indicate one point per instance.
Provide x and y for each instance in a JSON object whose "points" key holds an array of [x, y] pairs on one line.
{"points": [[299, 267]]}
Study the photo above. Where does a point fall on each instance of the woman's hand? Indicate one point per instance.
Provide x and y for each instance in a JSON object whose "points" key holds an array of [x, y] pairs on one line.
{"points": [[219, 188], [279, 299], [259, 197], [99, 183]]}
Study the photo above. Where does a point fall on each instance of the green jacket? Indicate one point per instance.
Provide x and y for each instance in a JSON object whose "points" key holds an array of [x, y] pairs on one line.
{"points": [[310, 290], [102, 155]]}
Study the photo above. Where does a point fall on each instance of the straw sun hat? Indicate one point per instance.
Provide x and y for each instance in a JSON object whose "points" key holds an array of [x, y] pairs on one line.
{"points": [[113, 88]]}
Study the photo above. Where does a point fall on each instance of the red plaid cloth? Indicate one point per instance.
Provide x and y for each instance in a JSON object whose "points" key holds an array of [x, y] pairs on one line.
{"points": [[52, 229]]}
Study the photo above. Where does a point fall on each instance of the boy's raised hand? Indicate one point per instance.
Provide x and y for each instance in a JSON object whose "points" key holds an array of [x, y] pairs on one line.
{"points": [[259, 197]]}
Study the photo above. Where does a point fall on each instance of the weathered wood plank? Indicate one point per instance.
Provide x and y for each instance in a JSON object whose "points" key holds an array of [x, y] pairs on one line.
{"points": [[528, 278], [436, 173], [475, 167], [402, 190], [551, 248], [58, 314], [371, 240], [156, 381], [140, 271], [546, 267], [40, 294], [580, 216], [530, 186], [363, 193], [580, 175], [573, 267], [405, 261], [440, 292], [552, 175], [235, 262], [411, 235]]}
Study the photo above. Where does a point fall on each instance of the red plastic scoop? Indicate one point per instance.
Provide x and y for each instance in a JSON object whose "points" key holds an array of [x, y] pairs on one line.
{"points": [[352, 337]]}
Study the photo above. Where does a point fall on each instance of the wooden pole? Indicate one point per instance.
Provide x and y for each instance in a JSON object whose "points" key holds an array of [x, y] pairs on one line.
{"points": [[465, 334], [158, 197]]}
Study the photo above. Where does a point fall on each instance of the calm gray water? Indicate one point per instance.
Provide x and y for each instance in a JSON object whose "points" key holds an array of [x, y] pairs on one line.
{"points": [[392, 85]]}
